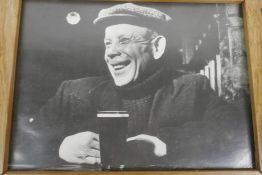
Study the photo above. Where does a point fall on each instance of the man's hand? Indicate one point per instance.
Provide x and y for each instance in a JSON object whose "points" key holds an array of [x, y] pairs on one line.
{"points": [[159, 145], [81, 148]]}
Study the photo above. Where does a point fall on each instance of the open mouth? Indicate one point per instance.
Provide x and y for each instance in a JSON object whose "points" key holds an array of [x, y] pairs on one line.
{"points": [[121, 65]]}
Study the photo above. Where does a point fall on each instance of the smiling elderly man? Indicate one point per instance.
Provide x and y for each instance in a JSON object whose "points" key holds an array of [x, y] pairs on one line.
{"points": [[176, 110]]}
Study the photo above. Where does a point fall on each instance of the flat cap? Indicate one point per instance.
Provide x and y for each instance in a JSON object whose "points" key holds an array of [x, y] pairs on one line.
{"points": [[129, 12]]}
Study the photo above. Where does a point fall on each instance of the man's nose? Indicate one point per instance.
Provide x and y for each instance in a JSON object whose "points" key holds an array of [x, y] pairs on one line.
{"points": [[112, 52]]}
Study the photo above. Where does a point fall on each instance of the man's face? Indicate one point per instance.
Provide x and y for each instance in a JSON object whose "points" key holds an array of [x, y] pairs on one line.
{"points": [[127, 52]]}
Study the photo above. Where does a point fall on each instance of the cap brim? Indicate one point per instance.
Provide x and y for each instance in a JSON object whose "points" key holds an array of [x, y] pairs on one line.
{"points": [[113, 17], [150, 23]]}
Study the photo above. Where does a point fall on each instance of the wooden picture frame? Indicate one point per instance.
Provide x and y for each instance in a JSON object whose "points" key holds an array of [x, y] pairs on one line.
{"points": [[9, 32]]}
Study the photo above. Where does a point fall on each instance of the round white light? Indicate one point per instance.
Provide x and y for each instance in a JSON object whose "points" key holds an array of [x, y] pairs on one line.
{"points": [[73, 18], [31, 120]]}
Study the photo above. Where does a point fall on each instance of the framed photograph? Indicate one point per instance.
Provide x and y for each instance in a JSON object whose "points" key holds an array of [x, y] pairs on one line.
{"points": [[131, 87]]}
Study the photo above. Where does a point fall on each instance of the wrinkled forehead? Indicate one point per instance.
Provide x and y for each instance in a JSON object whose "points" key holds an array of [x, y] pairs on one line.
{"points": [[117, 30]]}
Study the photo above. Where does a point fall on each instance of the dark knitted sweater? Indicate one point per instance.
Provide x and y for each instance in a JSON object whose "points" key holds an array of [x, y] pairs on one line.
{"points": [[137, 101], [138, 110]]}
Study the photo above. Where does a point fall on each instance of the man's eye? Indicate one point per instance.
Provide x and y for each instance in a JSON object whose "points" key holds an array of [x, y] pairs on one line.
{"points": [[107, 43], [124, 40]]}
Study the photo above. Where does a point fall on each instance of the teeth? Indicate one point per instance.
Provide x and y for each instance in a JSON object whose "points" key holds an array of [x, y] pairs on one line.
{"points": [[119, 66]]}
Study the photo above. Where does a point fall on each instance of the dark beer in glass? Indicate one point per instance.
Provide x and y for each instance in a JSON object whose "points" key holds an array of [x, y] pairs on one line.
{"points": [[112, 136]]}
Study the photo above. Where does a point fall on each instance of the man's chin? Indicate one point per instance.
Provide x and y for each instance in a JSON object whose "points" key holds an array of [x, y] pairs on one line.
{"points": [[121, 82]]}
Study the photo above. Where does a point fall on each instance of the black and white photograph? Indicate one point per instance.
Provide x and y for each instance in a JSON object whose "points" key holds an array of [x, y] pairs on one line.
{"points": [[117, 86]]}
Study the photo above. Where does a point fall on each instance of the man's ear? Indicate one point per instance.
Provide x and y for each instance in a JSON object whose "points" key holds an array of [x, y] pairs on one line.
{"points": [[159, 46]]}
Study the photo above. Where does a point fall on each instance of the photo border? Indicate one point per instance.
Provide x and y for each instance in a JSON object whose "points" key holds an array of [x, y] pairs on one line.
{"points": [[10, 11]]}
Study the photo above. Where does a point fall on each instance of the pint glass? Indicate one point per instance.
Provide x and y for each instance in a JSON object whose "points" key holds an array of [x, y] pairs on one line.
{"points": [[112, 136]]}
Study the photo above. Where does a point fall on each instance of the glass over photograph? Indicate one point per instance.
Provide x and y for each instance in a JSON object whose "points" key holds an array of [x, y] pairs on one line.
{"points": [[106, 86]]}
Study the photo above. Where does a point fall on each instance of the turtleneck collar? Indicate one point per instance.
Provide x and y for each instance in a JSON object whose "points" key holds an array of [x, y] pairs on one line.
{"points": [[144, 88]]}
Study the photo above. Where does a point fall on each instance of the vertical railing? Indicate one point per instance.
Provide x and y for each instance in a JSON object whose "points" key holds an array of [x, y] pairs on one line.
{"points": [[213, 72]]}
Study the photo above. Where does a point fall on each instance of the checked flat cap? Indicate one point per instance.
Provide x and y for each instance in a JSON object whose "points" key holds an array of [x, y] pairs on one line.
{"points": [[131, 13]]}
